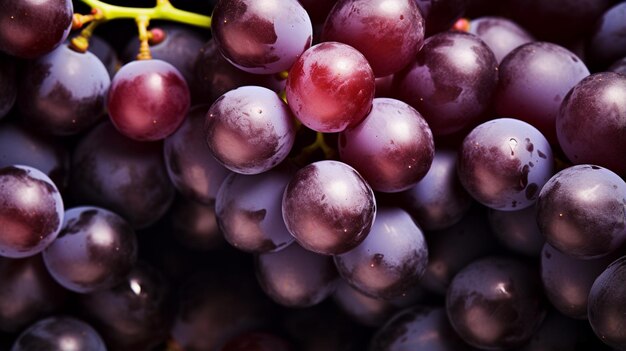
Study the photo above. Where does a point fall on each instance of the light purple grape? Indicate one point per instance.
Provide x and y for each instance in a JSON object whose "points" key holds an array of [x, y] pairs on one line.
{"points": [[501, 34], [249, 130]]}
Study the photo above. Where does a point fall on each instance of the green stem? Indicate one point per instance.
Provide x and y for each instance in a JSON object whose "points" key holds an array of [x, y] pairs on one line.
{"points": [[163, 10]]}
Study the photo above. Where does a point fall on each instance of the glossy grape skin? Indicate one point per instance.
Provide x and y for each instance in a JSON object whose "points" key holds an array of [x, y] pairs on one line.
{"points": [[195, 225], [440, 15], [533, 80], [500, 34], [8, 84], [64, 91], [328, 207], [106, 53], [257, 341], [330, 87], [518, 230], [392, 148], [261, 37], [249, 130], [94, 251], [567, 280], [249, 211], [594, 113], [495, 303], [607, 42], [606, 306], [377, 28], [418, 328], [27, 293], [120, 174], [193, 170], [19, 145], [31, 28], [438, 200], [295, 277], [581, 210], [59, 333], [504, 163], [450, 82], [390, 261], [134, 315], [31, 211], [148, 100]]}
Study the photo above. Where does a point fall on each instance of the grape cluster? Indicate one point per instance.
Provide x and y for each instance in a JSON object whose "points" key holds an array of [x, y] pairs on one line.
{"points": [[382, 175]]}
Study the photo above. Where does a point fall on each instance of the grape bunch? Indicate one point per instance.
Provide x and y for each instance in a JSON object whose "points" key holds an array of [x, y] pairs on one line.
{"points": [[281, 175]]}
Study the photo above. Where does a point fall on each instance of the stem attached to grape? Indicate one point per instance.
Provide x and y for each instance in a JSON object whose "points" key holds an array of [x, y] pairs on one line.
{"points": [[318, 144]]}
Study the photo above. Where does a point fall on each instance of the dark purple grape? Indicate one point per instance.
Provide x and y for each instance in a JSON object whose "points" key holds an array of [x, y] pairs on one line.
{"points": [[533, 80], [31, 211], [194, 171], [567, 280], [122, 175], [59, 333], [295, 277], [392, 148], [64, 91], [135, 314], [261, 37], [558, 333], [438, 200], [619, 66], [31, 28], [501, 34], [328, 207], [249, 130], [384, 87], [362, 308], [257, 341], [450, 82], [418, 328], [8, 84], [195, 226], [27, 292], [581, 211], [440, 15], [148, 100], [390, 261], [594, 113], [249, 211], [607, 42], [495, 303], [607, 305], [106, 53], [94, 251], [518, 230], [377, 28], [504, 163], [20, 146], [330, 87]]}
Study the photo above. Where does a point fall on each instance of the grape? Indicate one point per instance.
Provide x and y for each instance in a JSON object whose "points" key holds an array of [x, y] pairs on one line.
{"points": [[607, 42], [377, 28], [249, 211], [59, 333], [418, 328], [64, 91], [249, 130], [295, 277], [8, 84], [581, 211], [194, 172], [392, 148], [328, 207], [148, 100], [94, 251], [390, 260], [518, 230], [534, 79], [257, 341], [261, 37], [607, 304], [504, 163], [500, 34], [195, 225], [31, 28], [106, 53], [27, 293], [440, 15], [561, 333], [122, 175], [495, 303], [595, 110], [438, 200], [330, 87], [450, 82], [31, 211], [619, 66]]}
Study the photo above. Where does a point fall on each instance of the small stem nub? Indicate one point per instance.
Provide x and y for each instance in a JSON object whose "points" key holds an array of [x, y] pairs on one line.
{"points": [[144, 37], [80, 43]]}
